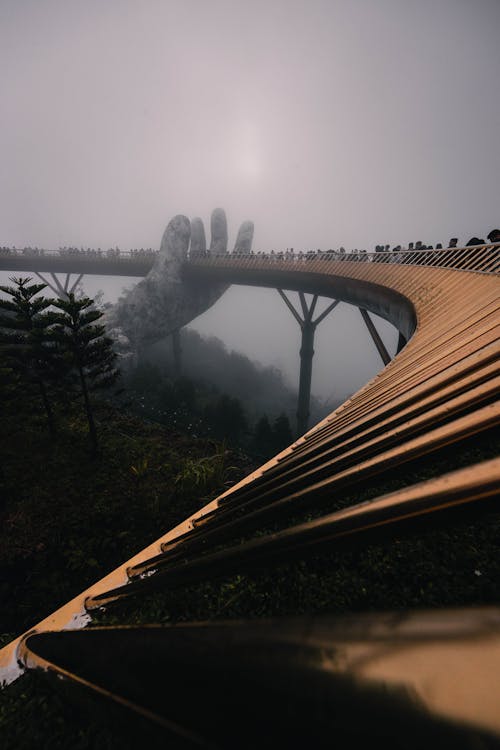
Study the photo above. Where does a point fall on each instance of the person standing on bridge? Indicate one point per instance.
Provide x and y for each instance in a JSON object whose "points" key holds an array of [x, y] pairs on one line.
{"points": [[494, 237]]}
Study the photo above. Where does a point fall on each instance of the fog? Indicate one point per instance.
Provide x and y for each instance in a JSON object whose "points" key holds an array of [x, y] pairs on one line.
{"points": [[327, 123]]}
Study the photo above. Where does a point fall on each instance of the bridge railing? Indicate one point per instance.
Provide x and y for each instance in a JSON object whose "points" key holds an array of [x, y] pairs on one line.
{"points": [[480, 258], [82, 254]]}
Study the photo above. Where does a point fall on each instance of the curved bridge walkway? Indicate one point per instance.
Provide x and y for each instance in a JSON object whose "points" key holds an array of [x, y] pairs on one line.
{"points": [[441, 390]]}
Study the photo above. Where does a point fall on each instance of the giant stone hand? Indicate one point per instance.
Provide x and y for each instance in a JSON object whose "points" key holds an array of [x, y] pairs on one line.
{"points": [[164, 300]]}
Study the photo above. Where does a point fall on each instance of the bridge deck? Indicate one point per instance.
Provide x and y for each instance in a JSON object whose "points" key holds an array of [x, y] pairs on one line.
{"points": [[53, 261]]}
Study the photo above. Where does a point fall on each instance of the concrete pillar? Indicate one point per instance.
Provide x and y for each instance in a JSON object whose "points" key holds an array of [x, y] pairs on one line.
{"points": [[306, 362], [308, 329]]}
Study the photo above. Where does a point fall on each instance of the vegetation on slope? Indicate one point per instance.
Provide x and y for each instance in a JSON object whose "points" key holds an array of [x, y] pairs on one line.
{"points": [[214, 383], [70, 518], [67, 518]]}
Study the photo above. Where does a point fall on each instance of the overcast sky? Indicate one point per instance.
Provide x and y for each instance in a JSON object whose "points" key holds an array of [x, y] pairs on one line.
{"points": [[327, 122]]}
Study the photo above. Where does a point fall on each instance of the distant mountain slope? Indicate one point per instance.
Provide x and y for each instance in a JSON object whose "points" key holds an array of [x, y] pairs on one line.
{"points": [[261, 389]]}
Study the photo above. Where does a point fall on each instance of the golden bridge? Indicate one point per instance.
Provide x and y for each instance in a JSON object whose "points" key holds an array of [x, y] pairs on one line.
{"points": [[405, 677]]}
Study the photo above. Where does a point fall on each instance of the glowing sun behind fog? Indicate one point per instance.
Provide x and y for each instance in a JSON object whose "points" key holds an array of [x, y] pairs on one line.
{"points": [[247, 154]]}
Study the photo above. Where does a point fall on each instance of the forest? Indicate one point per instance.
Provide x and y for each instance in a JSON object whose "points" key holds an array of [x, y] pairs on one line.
{"points": [[212, 392]]}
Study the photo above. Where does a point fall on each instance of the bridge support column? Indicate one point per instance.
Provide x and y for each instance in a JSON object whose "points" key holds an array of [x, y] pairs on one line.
{"points": [[401, 342], [308, 329], [306, 361], [56, 286], [384, 354]]}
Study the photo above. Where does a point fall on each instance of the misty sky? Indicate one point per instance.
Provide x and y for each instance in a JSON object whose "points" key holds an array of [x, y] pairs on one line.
{"points": [[327, 122]]}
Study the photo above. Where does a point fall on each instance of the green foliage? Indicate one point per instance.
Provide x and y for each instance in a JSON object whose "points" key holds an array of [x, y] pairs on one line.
{"points": [[204, 474], [63, 525], [140, 469], [66, 518], [88, 353], [30, 365], [185, 405], [227, 417], [200, 409], [35, 717], [184, 392], [194, 473], [282, 432], [24, 309], [214, 371], [87, 348], [263, 437], [268, 440], [10, 381], [47, 352]]}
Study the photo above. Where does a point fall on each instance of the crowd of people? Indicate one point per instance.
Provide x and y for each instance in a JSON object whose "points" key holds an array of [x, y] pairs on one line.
{"points": [[342, 253], [289, 254], [112, 252], [492, 238]]}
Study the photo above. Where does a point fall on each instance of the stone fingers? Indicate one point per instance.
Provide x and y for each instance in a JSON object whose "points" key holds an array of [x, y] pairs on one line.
{"points": [[175, 241], [198, 241], [244, 239], [218, 227]]}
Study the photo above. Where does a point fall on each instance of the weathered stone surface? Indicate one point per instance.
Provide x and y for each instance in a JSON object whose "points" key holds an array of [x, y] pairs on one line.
{"points": [[163, 301], [218, 229], [173, 250], [198, 241], [244, 238]]}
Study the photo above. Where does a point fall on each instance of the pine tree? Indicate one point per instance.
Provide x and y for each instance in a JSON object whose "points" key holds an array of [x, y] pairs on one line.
{"points": [[88, 352], [225, 418], [282, 432], [28, 362], [263, 438], [10, 380]]}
